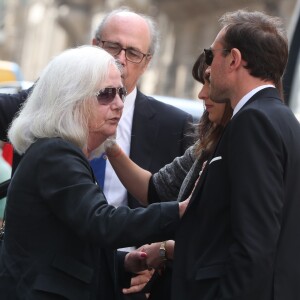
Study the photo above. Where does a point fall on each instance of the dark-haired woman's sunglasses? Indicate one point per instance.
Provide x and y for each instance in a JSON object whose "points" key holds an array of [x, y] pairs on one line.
{"points": [[107, 95]]}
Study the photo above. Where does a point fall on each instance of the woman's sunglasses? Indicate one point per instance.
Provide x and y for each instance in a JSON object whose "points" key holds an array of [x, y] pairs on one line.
{"points": [[107, 95]]}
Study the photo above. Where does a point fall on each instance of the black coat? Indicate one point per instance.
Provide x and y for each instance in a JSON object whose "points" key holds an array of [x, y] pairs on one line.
{"points": [[239, 238], [60, 233]]}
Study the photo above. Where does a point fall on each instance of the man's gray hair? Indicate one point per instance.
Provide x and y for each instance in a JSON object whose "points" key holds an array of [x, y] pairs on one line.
{"points": [[153, 28]]}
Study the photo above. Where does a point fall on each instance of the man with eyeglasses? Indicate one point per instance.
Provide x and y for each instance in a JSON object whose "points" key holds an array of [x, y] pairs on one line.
{"points": [[150, 132]]}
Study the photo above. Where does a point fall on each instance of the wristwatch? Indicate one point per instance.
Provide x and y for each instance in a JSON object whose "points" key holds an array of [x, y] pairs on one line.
{"points": [[162, 251]]}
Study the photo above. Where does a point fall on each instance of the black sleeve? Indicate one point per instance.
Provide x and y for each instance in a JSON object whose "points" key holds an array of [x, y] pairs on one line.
{"points": [[124, 276], [9, 106], [70, 184], [153, 196]]}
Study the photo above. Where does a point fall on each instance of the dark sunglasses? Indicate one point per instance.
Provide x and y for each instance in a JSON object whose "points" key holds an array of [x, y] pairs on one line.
{"points": [[107, 95], [209, 55]]}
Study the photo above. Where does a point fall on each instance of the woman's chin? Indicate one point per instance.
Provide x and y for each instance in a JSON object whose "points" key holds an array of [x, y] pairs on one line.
{"points": [[111, 133]]}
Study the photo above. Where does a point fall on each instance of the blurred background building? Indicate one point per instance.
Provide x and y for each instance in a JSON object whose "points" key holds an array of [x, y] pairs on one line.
{"points": [[33, 31]]}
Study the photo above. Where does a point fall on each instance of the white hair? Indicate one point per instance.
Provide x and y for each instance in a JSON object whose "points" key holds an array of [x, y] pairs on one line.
{"points": [[58, 105]]}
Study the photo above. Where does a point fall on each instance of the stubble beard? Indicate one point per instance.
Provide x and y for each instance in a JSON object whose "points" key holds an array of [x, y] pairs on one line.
{"points": [[218, 94]]}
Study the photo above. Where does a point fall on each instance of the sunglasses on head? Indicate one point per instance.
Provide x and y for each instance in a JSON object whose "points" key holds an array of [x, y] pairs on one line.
{"points": [[107, 95], [209, 55]]}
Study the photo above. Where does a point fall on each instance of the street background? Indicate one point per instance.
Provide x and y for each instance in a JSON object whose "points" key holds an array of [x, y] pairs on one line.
{"points": [[33, 31]]}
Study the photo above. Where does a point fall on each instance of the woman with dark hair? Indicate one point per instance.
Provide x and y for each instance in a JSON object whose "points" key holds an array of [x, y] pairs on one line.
{"points": [[171, 180], [166, 183]]}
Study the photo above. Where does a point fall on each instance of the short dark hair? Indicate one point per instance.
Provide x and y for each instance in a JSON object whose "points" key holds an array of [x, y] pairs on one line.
{"points": [[262, 41]]}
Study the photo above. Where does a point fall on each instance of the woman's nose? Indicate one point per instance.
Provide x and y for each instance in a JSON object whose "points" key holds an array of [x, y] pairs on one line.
{"points": [[118, 103]]}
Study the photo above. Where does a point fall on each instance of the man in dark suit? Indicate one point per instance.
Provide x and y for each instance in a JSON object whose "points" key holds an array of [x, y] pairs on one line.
{"points": [[239, 238], [150, 132]]}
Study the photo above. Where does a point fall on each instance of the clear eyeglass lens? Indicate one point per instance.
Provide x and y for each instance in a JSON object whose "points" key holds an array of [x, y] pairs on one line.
{"points": [[131, 54]]}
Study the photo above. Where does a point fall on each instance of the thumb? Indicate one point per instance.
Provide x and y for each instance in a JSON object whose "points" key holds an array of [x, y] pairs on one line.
{"points": [[141, 255]]}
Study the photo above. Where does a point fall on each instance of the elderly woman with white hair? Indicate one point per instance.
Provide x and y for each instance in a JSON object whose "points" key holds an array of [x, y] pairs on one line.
{"points": [[60, 233]]}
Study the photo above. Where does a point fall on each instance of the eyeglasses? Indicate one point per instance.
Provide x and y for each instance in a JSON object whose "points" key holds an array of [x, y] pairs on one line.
{"points": [[131, 54], [107, 95], [209, 55]]}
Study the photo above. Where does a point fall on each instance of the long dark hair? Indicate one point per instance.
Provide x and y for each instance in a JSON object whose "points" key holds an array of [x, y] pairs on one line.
{"points": [[207, 132]]}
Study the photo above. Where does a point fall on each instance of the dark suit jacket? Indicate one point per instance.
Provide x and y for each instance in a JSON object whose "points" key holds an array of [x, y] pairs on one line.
{"points": [[9, 106], [239, 238], [160, 132], [60, 232]]}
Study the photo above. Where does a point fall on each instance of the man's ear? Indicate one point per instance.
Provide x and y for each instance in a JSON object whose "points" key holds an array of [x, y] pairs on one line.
{"points": [[236, 57]]}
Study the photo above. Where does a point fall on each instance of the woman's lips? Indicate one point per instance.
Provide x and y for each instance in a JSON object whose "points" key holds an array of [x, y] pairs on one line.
{"points": [[209, 107]]}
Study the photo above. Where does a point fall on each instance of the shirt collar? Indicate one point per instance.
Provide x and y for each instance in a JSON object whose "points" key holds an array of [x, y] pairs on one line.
{"points": [[130, 100], [247, 97]]}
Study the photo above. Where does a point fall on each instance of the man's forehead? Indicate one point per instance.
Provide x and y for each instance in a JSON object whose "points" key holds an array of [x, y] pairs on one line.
{"points": [[128, 31], [219, 38], [127, 18]]}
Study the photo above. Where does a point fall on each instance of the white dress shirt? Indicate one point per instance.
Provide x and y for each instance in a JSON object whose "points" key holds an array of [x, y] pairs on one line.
{"points": [[114, 191], [247, 97]]}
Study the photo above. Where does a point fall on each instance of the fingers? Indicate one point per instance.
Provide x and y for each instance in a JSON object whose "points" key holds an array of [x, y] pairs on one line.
{"points": [[142, 277], [138, 282], [133, 289]]}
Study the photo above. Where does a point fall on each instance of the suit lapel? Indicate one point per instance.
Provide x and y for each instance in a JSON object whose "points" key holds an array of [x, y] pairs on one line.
{"points": [[190, 179], [204, 171], [198, 185], [144, 131]]}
